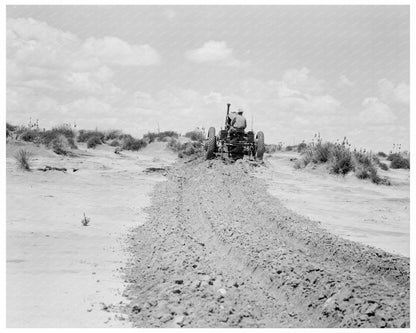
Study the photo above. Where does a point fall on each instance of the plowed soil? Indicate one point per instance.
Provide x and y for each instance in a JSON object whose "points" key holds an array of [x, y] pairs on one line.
{"points": [[218, 251]]}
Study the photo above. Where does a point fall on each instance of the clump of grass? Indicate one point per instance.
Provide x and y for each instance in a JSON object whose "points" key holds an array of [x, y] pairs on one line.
{"points": [[85, 221], [10, 127], [30, 135], [60, 145], [272, 148], [381, 154], [398, 161], [24, 159], [383, 166], [301, 147], [161, 136], [94, 141], [112, 135], [341, 160], [131, 143], [195, 135], [85, 135], [187, 148]]}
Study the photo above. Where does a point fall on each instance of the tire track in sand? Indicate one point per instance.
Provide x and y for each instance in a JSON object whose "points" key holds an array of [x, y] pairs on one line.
{"points": [[218, 251]]}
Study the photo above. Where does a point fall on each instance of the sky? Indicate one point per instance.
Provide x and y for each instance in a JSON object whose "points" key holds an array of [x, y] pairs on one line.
{"points": [[294, 70]]}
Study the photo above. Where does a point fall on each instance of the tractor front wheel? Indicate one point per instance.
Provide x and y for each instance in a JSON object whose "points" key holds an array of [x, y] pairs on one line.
{"points": [[261, 148], [211, 144]]}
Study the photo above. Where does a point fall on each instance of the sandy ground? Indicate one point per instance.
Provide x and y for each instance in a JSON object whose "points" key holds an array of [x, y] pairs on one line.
{"points": [[204, 244], [358, 210], [219, 251], [60, 273]]}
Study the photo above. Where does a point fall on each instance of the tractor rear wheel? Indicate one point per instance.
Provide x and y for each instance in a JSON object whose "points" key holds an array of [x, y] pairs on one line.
{"points": [[211, 143], [261, 148]]}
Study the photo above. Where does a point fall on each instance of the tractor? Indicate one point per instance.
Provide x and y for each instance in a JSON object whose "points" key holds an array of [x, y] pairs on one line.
{"points": [[234, 144]]}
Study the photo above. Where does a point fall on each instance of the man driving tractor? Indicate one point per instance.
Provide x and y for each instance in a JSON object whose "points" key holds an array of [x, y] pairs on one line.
{"points": [[238, 123]]}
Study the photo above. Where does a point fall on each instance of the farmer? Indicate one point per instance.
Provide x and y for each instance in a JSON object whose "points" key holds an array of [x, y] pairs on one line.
{"points": [[239, 123]]}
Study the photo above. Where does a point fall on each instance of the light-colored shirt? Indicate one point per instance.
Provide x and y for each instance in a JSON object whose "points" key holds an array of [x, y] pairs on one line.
{"points": [[239, 122]]}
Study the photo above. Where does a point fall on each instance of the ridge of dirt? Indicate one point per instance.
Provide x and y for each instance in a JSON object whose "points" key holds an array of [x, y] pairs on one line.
{"points": [[219, 251]]}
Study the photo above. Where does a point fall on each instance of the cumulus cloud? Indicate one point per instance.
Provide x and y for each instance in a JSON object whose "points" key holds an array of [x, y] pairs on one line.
{"points": [[376, 112], [53, 73], [214, 52], [346, 81], [391, 93], [114, 51], [300, 80], [31, 42]]}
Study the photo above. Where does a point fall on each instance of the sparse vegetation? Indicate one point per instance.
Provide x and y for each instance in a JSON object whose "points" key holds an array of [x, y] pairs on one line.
{"points": [[383, 166], [60, 145], [301, 147], [195, 135], [94, 141], [187, 148], [30, 135], [85, 221], [10, 127], [399, 161], [272, 148], [130, 143], [381, 154], [113, 134], [24, 159], [341, 159], [161, 136], [85, 135]]}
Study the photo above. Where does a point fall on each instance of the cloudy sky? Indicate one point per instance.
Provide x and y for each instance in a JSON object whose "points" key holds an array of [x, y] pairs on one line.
{"points": [[296, 70]]}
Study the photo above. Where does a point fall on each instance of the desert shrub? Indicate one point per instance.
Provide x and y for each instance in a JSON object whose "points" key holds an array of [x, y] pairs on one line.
{"points": [[94, 141], [10, 127], [399, 162], [363, 158], [381, 154], [85, 135], [340, 161], [24, 158], [383, 166], [64, 130], [187, 148], [30, 135], [272, 148], [392, 156], [195, 135], [151, 137], [113, 134], [130, 143], [115, 143], [60, 145], [46, 137], [301, 147], [322, 152]]}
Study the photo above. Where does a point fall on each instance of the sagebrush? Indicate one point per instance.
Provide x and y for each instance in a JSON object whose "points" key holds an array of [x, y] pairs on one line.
{"points": [[24, 159]]}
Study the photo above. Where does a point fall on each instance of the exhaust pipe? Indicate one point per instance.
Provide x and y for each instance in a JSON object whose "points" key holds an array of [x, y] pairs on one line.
{"points": [[226, 117]]}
